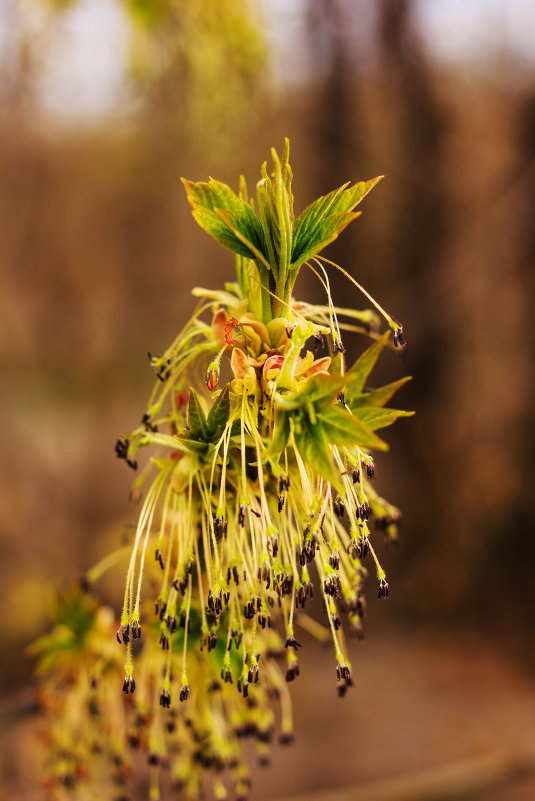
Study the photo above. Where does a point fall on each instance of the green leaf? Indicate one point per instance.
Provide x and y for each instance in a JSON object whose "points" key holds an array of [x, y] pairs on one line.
{"points": [[319, 389], [377, 397], [344, 428], [336, 365], [226, 217], [321, 222], [281, 432], [194, 445], [312, 443], [219, 414], [275, 204], [365, 363], [374, 417], [198, 427]]}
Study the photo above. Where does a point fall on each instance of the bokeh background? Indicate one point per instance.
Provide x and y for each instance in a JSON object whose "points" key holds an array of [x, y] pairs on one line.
{"points": [[104, 105]]}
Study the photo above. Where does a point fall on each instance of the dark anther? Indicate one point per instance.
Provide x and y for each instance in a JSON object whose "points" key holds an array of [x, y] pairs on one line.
{"points": [[370, 468], [286, 738], [184, 692], [149, 426], [291, 642], [292, 672], [123, 634], [342, 671], [220, 526], [273, 544], [158, 557], [289, 330], [165, 699], [339, 507], [281, 503], [121, 448], [338, 347], [164, 642], [226, 675], [136, 630], [355, 475], [241, 515], [342, 398], [334, 560], [384, 589], [399, 339], [333, 585], [362, 547], [212, 641], [319, 341], [153, 759]]}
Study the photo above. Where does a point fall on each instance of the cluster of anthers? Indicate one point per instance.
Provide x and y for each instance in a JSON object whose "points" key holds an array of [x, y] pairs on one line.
{"points": [[260, 486]]}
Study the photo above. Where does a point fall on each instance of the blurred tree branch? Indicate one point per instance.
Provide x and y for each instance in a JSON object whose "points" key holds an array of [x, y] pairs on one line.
{"points": [[466, 780]]}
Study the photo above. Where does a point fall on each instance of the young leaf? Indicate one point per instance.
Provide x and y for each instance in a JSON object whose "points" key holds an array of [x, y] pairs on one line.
{"points": [[281, 432], [312, 442], [226, 217], [344, 428], [321, 222], [377, 397], [362, 368], [198, 427], [321, 388], [275, 204], [219, 414], [375, 417]]}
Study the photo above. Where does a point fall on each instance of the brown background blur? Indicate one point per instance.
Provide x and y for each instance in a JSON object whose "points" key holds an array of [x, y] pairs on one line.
{"points": [[98, 255]]}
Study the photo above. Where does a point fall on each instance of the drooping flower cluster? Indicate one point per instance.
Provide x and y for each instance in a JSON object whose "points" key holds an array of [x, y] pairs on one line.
{"points": [[258, 488]]}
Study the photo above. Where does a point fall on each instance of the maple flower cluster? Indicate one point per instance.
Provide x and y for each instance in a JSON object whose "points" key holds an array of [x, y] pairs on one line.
{"points": [[258, 492]]}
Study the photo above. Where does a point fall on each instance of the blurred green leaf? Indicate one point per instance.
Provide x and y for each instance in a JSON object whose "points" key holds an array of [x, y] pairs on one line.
{"points": [[374, 417], [378, 397]]}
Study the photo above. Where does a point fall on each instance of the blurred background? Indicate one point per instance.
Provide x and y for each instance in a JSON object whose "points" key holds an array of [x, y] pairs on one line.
{"points": [[104, 105]]}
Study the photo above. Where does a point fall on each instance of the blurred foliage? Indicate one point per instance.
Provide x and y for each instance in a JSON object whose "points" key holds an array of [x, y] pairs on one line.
{"points": [[196, 62]]}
